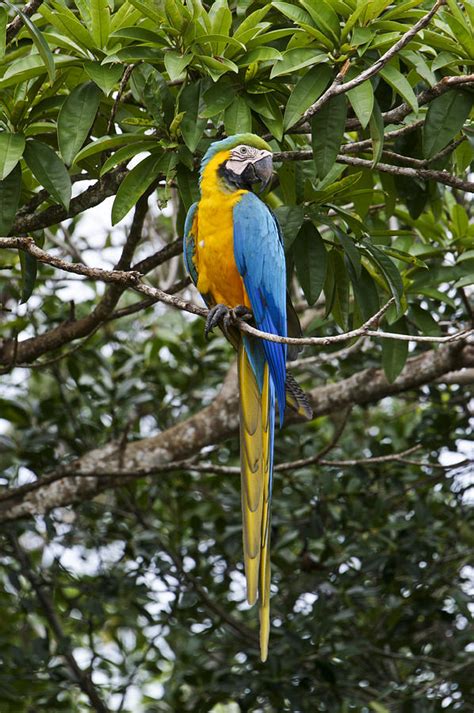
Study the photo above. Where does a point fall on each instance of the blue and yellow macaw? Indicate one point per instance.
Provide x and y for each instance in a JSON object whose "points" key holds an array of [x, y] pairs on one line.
{"points": [[234, 254]]}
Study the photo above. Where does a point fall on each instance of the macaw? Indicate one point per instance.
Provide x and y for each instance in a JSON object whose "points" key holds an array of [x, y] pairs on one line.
{"points": [[233, 252]]}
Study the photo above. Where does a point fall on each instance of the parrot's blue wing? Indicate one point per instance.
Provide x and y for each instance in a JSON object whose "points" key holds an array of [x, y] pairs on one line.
{"points": [[189, 243], [260, 259]]}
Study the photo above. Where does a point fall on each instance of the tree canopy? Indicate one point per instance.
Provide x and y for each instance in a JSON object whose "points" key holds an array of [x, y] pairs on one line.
{"points": [[122, 585]]}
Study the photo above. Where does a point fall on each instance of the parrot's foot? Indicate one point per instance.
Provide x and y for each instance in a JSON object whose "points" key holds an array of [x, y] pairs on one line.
{"points": [[225, 317]]}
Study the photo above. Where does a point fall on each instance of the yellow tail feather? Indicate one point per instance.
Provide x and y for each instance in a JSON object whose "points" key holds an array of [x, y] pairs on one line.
{"points": [[255, 460]]}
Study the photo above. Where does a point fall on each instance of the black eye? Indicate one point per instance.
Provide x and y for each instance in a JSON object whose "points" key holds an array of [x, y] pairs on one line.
{"points": [[243, 149]]}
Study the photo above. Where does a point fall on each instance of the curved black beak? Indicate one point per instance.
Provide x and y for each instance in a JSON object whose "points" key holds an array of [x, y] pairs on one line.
{"points": [[259, 171]]}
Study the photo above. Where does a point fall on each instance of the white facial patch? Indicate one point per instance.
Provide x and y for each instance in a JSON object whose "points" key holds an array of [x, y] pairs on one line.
{"points": [[242, 155]]}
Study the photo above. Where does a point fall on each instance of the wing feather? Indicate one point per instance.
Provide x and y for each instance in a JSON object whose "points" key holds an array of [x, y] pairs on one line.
{"points": [[260, 260]]}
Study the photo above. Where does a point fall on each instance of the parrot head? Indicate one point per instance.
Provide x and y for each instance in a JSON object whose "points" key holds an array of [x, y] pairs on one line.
{"points": [[243, 161]]}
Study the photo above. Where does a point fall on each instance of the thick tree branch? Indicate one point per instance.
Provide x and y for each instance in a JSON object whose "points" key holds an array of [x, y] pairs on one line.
{"points": [[92, 196], [102, 467]]}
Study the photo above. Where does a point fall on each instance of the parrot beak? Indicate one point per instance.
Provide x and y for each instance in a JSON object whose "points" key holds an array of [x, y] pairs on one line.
{"points": [[259, 170], [264, 170]]}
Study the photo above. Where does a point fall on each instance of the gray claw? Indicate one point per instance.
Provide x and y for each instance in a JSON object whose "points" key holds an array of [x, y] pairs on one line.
{"points": [[216, 314], [225, 317]]}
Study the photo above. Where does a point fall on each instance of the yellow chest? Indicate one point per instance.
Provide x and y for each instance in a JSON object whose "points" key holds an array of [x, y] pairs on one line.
{"points": [[214, 247]]}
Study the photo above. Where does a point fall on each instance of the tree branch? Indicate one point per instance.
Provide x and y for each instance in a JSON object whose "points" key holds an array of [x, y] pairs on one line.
{"points": [[13, 352], [426, 174], [92, 196], [102, 467], [130, 278], [14, 27], [397, 114]]}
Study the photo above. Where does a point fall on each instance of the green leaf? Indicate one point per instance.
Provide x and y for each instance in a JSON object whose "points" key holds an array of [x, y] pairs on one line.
{"points": [[10, 191], [308, 89], [340, 307], [136, 183], [424, 321], [100, 18], [350, 250], [421, 66], [260, 54], [66, 22], [38, 39], [378, 707], [362, 101], [217, 67], [218, 40], [293, 12], [29, 268], [141, 34], [323, 17], [295, 59], [336, 188], [148, 9], [310, 261], [389, 271], [465, 281], [3, 28], [237, 117], [468, 255], [404, 257], [175, 64], [221, 19], [250, 23], [11, 150], [327, 132], [400, 84], [395, 352], [290, 218], [32, 66], [376, 129], [158, 99], [132, 54], [446, 116], [187, 185], [217, 98], [176, 13], [192, 125], [125, 153], [105, 76], [365, 294], [270, 113], [76, 118], [105, 143], [49, 170]]}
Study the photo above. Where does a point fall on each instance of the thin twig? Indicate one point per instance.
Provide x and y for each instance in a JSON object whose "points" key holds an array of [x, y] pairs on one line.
{"points": [[131, 278], [123, 83]]}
